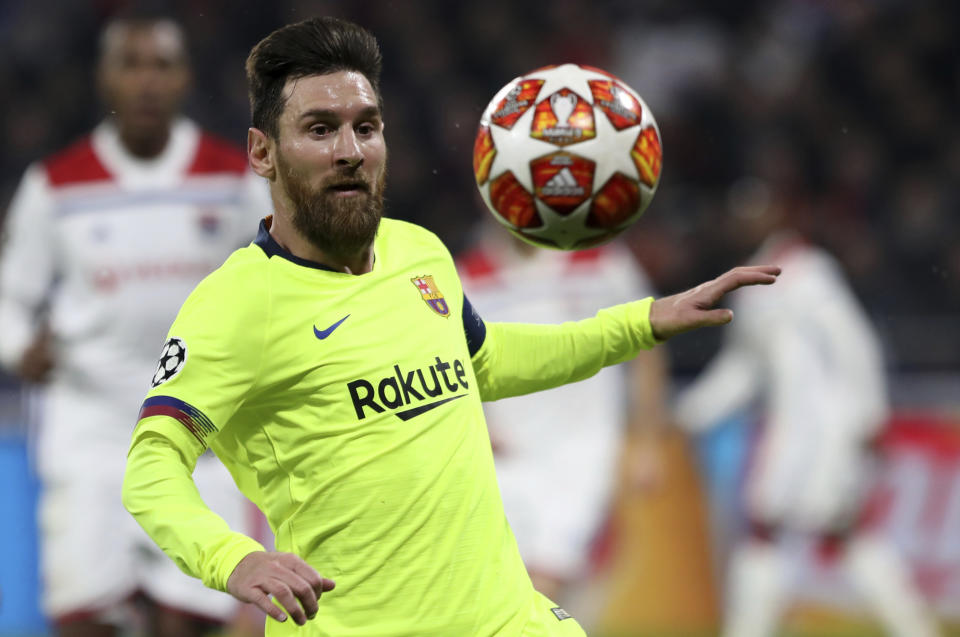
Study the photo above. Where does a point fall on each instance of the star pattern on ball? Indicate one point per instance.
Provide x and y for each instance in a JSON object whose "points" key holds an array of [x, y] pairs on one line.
{"points": [[521, 154], [617, 194], [610, 149], [569, 76], [565, 231]]}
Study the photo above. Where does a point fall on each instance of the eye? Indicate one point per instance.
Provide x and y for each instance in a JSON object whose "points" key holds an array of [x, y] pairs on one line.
{"points": [[320, 130], [366, 128]]}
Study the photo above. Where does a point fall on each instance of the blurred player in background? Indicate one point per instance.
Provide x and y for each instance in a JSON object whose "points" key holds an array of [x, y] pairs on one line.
{"points": [[808, 351], [103, 241], [557, 451]]}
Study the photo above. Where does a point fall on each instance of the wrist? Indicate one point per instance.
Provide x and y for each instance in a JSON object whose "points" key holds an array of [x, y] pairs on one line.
{"points": [[230, 561], [655, 319]]}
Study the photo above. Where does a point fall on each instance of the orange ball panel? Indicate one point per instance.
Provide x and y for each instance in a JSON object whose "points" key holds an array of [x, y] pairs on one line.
{"points": [[614, 203], [562, 181], [483, 154], [517, 102], [513, 202], [647, 156], [621, 108], [563, 118]]}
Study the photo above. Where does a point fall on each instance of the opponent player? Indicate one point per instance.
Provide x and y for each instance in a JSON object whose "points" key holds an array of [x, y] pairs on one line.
{"points": [[104, 240], [810, 354], [555, 512], [336, 368]]}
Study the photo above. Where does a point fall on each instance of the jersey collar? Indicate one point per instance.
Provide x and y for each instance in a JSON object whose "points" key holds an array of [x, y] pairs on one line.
{"points": [[165, 170], [271, 248]]}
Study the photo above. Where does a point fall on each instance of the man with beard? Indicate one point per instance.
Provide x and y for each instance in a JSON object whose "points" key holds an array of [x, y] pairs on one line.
{"points": [[336, 368]]}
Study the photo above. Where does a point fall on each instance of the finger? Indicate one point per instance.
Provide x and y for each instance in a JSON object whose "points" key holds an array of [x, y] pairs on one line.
{"points": [[745, 276], [307, 572], [304, 592], [319, 583], [734, 279], [286, 598], [766, 269], [261, 600]]}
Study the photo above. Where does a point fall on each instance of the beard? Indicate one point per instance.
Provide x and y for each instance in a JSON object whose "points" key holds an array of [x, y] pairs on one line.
{"points": [[339, 226]]}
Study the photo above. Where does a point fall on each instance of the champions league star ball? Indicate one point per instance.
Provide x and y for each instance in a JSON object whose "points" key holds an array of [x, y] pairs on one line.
{"points": [[172, 357], [567, 156]]}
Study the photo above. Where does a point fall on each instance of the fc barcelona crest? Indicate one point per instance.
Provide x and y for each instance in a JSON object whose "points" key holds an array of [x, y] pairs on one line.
{"points": [[431, 294]]}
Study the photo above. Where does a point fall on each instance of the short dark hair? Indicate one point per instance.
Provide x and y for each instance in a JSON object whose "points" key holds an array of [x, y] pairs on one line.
{"points": [[316, 46]]}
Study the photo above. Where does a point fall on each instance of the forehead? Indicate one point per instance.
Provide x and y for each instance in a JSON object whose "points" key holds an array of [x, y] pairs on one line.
{"points": [[345, 92], [160, 39]]}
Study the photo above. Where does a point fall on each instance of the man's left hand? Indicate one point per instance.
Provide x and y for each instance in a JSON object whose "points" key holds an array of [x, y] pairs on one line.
{"points": [[694, 308]]}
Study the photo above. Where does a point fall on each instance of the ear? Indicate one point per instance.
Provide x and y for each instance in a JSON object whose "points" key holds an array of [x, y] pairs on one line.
{"points": [[260, 149]]}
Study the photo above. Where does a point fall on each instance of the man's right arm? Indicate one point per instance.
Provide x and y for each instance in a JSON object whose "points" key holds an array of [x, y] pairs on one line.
{"points": [[158, 490], [210, 364], [27, 265], [206, 368]]}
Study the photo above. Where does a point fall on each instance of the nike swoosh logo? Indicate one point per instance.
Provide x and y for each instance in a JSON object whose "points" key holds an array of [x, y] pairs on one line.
{"points": [[416, 411], [322, 334]]}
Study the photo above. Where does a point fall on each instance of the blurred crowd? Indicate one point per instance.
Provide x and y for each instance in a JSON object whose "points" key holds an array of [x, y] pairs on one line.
{"points": [[841, 112]]}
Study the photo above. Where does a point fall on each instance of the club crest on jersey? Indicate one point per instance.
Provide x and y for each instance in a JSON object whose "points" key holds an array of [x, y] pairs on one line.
{"points": [[172, 358], [432, 296]]}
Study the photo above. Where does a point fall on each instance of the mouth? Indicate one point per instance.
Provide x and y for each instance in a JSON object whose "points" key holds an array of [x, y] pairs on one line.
{"points": [[348, 188]]}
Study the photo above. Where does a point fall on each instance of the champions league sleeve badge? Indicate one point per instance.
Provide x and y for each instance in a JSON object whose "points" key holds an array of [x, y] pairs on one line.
{"points": [[172, 358], [432, 296]]}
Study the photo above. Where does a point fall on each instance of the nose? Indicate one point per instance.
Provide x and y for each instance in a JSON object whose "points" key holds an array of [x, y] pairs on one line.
{"points": [[346, 149]]}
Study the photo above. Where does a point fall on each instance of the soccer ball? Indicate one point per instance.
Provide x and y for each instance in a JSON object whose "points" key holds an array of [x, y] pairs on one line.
{"points": [[567, 156]]}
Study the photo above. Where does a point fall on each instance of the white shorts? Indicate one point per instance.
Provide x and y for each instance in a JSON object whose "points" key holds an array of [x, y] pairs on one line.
{"points": [[807, 482], [94, 556], [556, 499]]}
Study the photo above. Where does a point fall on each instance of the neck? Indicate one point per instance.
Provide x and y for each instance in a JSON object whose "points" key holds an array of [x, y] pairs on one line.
{"points": [[299, 246], [144, 145]]}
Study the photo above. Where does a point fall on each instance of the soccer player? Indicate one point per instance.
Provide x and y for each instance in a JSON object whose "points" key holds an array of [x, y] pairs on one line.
{"points": [[809, 353], [555, 512], [103, 241], [336, 368]]}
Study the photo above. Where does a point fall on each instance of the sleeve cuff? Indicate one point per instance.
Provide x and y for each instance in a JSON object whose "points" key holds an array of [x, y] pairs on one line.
{"points": [[642, 324], [239, 546]]}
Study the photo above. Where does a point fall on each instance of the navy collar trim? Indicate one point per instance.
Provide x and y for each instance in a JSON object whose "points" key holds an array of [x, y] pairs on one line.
{"points": [[271, 248]]}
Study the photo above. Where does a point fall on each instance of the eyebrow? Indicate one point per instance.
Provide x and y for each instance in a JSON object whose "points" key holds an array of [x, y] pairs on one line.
{"points": [[328, 114]]}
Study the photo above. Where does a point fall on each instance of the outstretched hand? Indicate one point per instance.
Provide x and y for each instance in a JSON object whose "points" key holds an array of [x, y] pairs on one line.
{"points": [[692, 309], [285, 577]]}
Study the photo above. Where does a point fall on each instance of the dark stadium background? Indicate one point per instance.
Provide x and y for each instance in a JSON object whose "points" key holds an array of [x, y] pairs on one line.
{"points": [[848, 108]]}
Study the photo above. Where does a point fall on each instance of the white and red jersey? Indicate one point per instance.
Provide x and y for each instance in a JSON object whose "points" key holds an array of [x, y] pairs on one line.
{"points": [[549, 286], [807, 352], [556, 450], [105, 247]]}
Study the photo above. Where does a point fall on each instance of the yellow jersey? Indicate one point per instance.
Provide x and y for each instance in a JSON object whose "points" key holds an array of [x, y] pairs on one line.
{"points": [[348, 408]]}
